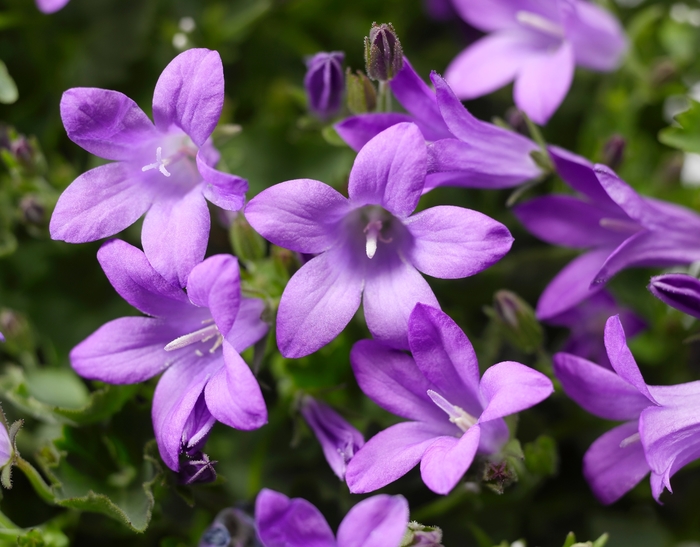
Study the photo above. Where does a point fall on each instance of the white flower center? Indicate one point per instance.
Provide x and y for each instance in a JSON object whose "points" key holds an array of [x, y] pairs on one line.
{"points": [[458, 416], [537, 22], [202, 335], [159, 164]]}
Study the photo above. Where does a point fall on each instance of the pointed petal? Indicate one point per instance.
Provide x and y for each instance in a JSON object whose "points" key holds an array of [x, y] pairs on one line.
{"points": [[598, 390], [447, 459], [454, 242], [596, 35], [358, 130], [578, 173], [612, 470], [100, 203], [680, 291], [216, 284], [185, 220], [379, 521], [190, 94], [390, 170], [282, 522], [105, 123], [222, 189], [510, 387], [543, 83], [301, 215], [249, 326]]}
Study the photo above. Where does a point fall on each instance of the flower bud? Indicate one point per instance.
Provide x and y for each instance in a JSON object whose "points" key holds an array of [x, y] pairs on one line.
{"points": [[32, 210], [614, 151], [681, 291], [418, 535], [362, 96], [231, 528], [383, 53], [517, 320], [325, 83]]}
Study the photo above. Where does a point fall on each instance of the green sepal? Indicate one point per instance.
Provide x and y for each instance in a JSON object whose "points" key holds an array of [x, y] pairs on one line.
{"points": [[686, 136]]}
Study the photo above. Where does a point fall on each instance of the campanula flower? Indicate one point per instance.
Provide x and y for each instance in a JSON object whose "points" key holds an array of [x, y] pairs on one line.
{"points": [[454, 414], [379, 521], [325, 83], [369, 244], [50, 6], [681, 291], [194, 339], [165, 170]]}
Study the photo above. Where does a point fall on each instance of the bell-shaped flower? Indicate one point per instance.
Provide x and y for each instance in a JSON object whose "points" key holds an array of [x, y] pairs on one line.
{"points": [[618, 228], [194, 339], [339, 440], [681, 291], [50, 6], [165, 170], [537, 44], [369, 244], [379, 521], [454, 414], [325, 83]]}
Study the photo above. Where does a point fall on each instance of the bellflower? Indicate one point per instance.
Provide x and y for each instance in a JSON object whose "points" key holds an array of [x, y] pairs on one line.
{"points": [[661, 429], [369, 244], [325, 83], [165, 170], [537, 44], [453, 414], [339, 440], [194, 339], [50, 6], [681, 291], [618, 228], [379, 521]]}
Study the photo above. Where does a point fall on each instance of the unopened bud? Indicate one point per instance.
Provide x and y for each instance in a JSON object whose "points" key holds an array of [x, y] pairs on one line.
{"points": [[515, 118], [362, 96], [22, 150], [324, 83], [32, 211], [614, 151], [517, 321], [383, 52], [498, 476]]}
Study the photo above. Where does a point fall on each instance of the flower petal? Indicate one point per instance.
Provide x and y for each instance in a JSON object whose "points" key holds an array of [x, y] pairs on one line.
{"points": [[6, 448], [379, 521], [301, 215], [216, 284], [358, 130], [249, 326], [578, 173], [100, 203], [447, 459], [50, 6], [190, 94], [222, 189], [596, 36], [390, 170], [490, 15], [680, 291], [510, 387], [454, 242]]}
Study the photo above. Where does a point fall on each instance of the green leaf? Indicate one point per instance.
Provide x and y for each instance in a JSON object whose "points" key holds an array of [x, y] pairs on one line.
{"points": [[8, 88], [687, 136], [541, 457], [570, 540]]}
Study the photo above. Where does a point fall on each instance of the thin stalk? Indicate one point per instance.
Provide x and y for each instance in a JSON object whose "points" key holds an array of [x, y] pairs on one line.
{"points": [[37, 481]]}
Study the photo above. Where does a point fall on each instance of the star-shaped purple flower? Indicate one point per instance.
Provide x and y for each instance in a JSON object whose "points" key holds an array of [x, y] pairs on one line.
{"points": [[50, 6], [369, 244], [537, 43], [379, 521], [618, 228], [453, 414], [165, 170], [195, 339]]}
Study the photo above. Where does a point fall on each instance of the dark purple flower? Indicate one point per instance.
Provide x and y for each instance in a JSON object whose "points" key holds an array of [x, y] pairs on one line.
{"points": [[369, 244], [196, 468], [325, 83], [166, 170], [194, 339], [681, 291], [50, 6], [536, 43], [379, 521], [618, 227], [453, 414]]}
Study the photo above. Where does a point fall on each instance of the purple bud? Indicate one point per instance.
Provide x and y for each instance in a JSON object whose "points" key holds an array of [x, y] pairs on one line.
{"points": [[325, 83], [196, 468], [32, 211], [680, 291], [383, 52], [614, 151]]}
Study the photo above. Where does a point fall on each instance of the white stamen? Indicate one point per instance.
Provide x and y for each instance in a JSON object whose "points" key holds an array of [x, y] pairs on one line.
{"points": [[159, 164], [201, 335], [537, 22], [372, 230], [629, 440], [458, 416]]}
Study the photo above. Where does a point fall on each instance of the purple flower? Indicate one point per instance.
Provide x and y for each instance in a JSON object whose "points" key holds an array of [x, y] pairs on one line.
{"points": [[369, 244], [681, 291], [537, 44], [6, 445], [618, 227], [194, 339], [339, 440], [166, 170], [587, 323], [379, 521], [2, 337], [453, 414], [661, 429], [50, 6], [325, 83]]}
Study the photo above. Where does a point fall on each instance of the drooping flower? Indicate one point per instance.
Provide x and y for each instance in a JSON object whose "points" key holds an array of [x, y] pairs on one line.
{"points": [[453, 414], [537, 44], [50, 6], [339, 440], [379, 521], [661, 429], [195, 339], [681, 291], [325, 83], [369, 244], [618, 228], [165, 170]]}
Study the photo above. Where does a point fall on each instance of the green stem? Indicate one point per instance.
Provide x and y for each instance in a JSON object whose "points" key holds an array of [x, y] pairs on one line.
{"points": [[7, 523], [37, 481], [384, 98]]}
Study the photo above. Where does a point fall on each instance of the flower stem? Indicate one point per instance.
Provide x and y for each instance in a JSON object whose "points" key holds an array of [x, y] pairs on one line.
{"points": [[37, 481], [7, 524]]}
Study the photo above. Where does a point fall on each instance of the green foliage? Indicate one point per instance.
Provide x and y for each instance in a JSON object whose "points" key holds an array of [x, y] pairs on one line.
{"points": [[686, 136]]}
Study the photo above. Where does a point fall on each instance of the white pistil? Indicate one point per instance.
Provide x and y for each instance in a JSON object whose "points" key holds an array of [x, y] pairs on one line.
{"points": [[629, 440], [537, 22], [372, 230], [201, 335], [159, 164], [458, 416], [619, 225]]}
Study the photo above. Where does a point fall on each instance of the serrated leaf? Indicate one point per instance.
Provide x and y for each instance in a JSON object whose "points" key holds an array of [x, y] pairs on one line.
{"points": [[687, 136]]}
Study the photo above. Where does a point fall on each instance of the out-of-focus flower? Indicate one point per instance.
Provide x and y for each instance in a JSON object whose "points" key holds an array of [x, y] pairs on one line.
{"points": [[453, 413], [369, 244], [325, 83], [231, 528], [383, 52], [537, 44], [681, 291], [50, 6], [165, 170]]}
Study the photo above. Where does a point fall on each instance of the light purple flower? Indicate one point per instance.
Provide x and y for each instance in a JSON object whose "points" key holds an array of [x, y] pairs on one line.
{"points": [[339, 440], [165, 170], [537, 43], [681, 291], [661, 429], [618, 228], [325, 83], [6, 447], [195, 339], [2, 337], [369, 244], [453, 414], [379, 521], [50, 6]]}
